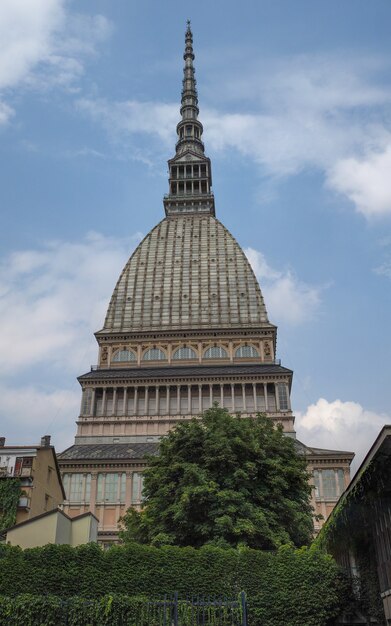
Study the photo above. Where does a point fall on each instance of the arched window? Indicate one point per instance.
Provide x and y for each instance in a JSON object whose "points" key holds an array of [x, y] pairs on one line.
{"points": [[216, 352], [154, 354], [123, 355], [246, 351], [184, 353]]}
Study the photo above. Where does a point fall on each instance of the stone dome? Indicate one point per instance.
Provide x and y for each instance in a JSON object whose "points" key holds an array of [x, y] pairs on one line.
{"points": [[188, 273]]}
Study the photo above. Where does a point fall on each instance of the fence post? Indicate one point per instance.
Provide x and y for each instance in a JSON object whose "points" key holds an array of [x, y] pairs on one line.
{"points": [[244, 608], [175, 609]]}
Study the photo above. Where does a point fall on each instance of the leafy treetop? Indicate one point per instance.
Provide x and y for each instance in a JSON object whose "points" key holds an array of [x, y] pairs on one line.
{"points": [[225, 481]]}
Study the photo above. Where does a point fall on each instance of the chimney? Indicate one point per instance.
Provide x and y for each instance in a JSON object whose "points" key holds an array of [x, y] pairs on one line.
{"points": [[2, 442], [45, 441]]}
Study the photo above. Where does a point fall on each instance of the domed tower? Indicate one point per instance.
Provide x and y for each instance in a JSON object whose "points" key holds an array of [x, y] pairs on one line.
{"points": [[186, 327]]}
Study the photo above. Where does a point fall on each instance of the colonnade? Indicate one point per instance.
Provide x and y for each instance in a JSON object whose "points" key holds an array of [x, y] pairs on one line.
{"points": [[188, 399]]}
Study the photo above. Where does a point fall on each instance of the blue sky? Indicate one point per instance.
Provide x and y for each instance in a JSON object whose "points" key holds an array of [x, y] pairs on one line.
{"points": [[295, 98]]}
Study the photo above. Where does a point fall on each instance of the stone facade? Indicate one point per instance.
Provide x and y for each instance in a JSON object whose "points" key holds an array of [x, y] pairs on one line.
{"points": [[186, 327]]}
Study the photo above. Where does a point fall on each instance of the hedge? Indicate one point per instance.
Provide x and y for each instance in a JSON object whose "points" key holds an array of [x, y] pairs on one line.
{"points": [[291, 587]]}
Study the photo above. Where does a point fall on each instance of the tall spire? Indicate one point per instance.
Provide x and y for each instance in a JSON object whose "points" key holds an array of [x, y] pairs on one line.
{"points": [[190, 177]]}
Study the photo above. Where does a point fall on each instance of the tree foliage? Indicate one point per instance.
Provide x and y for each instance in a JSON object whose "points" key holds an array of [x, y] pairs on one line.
{"points": [[226, 481]]}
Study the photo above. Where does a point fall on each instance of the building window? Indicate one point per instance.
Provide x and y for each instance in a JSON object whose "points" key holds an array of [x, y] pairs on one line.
{"points": [[283, 397], [246, 351], [329, 483], [124, 355], [316, 483], [77, 487], [111, 487], [184, 353], [216, 352], [137, 487], [154, 354]]}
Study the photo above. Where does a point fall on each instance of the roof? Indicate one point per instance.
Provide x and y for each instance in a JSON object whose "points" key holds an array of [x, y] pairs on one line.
{"points": [[46, 514], [188, 273], [318, 452], [186, 371], [109, 451]]}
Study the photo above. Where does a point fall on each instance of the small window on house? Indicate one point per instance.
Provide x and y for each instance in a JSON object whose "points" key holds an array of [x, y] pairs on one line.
{"points": [[124, 355], [154, 354], [216, 352]]}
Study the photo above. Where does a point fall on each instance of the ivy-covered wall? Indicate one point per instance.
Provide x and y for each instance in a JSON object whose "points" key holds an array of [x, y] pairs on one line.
{"points": [[9, 497], [290, 587]]}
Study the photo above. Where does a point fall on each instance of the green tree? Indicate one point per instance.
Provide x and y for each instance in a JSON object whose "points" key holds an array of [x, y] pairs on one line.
{"points": [[226, 481]]}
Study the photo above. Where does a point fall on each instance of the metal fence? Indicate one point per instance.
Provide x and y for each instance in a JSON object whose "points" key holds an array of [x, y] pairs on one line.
{"points": [[197, 611], [165, 610]]}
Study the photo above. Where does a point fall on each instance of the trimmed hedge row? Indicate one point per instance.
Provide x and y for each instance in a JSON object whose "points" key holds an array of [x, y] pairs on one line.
{"points": [[291, 587]]}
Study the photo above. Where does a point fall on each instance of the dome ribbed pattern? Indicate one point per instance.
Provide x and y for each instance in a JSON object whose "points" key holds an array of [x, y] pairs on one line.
{"points": [[188, 273]]}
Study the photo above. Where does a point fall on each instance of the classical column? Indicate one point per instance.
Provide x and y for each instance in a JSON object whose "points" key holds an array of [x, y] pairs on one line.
{"points": [[221, 395], [168, 400], [244, 397], [200, 398], [157, 399], [265, 395], [92, 411], [104, 408], [94, 478], [125, 411], [114, 410], [135, 401], [233, 397], [178, 399], [146, 396], [128, 490], [276, 396], [255, 397], [189, 399], [211, 394]]}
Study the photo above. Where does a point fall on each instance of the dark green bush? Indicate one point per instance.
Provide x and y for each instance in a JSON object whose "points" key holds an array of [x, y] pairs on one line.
{"points": [[290, 587]]}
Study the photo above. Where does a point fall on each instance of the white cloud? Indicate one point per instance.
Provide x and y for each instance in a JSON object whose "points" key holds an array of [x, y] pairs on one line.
{"points": [[43, 44], [366, 182], [133, 117], [340, 425], [51, 300], [27, 413], [291, 115], [288, 299]]}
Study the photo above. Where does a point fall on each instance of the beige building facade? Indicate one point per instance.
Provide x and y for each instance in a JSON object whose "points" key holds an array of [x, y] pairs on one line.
{"points": [[186, 327], [37, 470]]}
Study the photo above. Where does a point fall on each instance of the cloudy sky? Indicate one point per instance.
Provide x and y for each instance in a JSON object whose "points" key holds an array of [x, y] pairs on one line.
{"points": [[295, 99]]}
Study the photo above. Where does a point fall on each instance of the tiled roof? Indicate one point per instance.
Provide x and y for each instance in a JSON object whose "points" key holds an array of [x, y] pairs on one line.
{"points": [[188, 273], [190, 371], [109, 451]]}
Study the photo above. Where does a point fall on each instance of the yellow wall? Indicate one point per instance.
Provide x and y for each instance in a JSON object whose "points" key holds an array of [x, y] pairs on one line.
{"points": [[54, 528], [35, 534]]}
